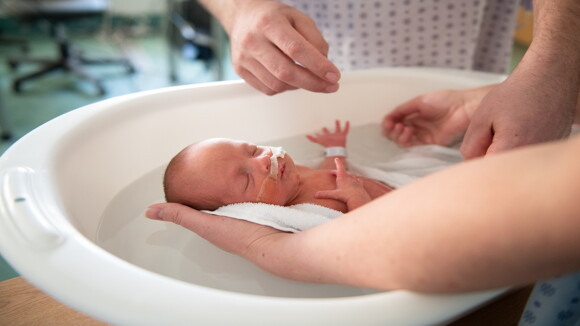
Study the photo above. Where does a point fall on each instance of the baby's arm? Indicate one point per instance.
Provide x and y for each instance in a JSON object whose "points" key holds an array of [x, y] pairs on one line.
{"points": [[349, 188], [329, 139]]}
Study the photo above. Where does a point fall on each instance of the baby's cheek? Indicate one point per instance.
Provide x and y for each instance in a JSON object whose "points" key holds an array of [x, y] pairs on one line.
{"points": [[268, 191]]}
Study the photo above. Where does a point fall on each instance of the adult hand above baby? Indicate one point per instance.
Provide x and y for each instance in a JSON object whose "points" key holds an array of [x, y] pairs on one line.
{"points": [[275, 47], [439, 117]]}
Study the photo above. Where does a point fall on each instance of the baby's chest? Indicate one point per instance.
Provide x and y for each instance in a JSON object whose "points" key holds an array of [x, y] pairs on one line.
{"points": [[321, 180], [318, 182]]}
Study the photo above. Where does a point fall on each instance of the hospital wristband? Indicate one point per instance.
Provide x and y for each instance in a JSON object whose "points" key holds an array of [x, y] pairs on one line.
{"points": [[335, 151]]}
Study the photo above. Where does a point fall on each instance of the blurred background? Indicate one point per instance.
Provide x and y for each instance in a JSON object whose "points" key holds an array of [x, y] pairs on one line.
{"points": [[59, 55]]}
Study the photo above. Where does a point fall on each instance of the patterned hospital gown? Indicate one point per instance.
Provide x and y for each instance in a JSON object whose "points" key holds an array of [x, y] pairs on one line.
{"points": [[554, 302], [474, 35]]}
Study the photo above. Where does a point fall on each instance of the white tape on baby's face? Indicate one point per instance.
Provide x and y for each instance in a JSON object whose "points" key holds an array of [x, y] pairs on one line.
{"points": [[276, 152], [270, 183]]}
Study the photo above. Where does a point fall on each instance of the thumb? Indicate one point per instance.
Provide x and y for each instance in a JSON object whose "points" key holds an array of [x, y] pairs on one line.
{"points": [[179, 214], [500, 144], [477, 140]]}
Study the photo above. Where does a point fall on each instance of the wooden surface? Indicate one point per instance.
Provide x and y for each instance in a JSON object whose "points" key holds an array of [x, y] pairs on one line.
{"points": [[504, 311], [23, 304]]}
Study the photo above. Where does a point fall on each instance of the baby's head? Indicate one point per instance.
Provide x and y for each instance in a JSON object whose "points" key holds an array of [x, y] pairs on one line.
{"points": [[216, 172]]}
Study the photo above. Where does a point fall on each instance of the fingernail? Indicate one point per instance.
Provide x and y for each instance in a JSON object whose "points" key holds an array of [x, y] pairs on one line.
{"points": [[152, 213], [332, 77], [331, 88]]}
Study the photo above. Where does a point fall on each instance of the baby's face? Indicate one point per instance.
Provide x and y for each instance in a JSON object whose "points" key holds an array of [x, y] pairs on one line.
{"points": [[241, 172]]}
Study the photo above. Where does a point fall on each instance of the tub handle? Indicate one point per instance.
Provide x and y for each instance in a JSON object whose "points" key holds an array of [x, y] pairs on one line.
{"points": [[22, 209]]}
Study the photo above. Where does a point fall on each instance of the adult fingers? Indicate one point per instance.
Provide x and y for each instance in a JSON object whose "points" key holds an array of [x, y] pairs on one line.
{"points": [[399, 114], [394, 132], [502, 143], [406, 138], [255, 82], [303, 43], [388, 125], [406, 109], [304, 66], [308, 29], [182, 215], [230, 234], [477, 140], [255, 74]]}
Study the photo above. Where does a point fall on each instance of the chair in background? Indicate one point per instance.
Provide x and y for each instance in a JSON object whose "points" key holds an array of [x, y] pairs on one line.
{"points": [[195, 35], [57, 13], [9, 41], [6, 40], [5, 131]]}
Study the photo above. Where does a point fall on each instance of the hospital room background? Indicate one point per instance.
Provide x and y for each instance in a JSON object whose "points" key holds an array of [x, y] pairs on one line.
{"points": [[154, 44]]}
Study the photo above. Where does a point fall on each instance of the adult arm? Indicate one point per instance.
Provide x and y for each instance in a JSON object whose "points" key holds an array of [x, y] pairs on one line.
{"points": [[508, 219], [275, 47], [439, 117], [537, 102], [577, 118]]}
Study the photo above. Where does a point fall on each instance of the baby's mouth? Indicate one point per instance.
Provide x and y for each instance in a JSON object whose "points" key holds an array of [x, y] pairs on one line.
{"points": [[277, 152], [282, 169]]}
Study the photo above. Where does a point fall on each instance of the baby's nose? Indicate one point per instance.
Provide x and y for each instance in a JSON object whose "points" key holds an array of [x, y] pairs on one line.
{"points": [[264, 161]]}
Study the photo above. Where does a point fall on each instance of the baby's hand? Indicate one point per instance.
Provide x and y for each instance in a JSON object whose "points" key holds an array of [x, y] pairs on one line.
{"points": [[349, 188], [331, 139]]}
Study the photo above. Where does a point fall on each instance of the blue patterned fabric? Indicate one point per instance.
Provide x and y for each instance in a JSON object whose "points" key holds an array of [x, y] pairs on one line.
{"points": [[555, 302]]}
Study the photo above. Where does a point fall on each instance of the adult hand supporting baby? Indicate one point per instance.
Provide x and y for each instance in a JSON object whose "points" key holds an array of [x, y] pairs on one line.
{"points": [[409, 238], [233, 235], [275, 47]]}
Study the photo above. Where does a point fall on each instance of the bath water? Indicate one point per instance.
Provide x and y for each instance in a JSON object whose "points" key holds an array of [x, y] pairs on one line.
{"points": [[175, 252]]}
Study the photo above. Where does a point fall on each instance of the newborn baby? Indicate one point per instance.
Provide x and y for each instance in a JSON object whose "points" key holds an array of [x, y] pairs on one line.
{"points": [[216, 172]]}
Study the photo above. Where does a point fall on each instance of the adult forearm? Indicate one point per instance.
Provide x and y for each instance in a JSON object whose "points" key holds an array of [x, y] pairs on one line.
{"points": [[503, 220], [557, 30], [577, 119], [555, 48], [225, 10]]}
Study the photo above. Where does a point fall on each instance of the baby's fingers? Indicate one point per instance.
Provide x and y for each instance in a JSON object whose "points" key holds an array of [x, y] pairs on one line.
{"points": [[312, 138], [327, 194], [316, 138], [346, 127], [339, 129], [340, 169]]}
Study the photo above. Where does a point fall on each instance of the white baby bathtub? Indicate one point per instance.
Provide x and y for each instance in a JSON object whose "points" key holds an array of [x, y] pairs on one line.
{"points": [[74, 191]]}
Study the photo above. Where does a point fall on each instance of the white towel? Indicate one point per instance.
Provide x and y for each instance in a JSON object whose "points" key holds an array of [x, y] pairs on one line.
{"points": [[293, 218], [410, 165], [404, 168]]}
